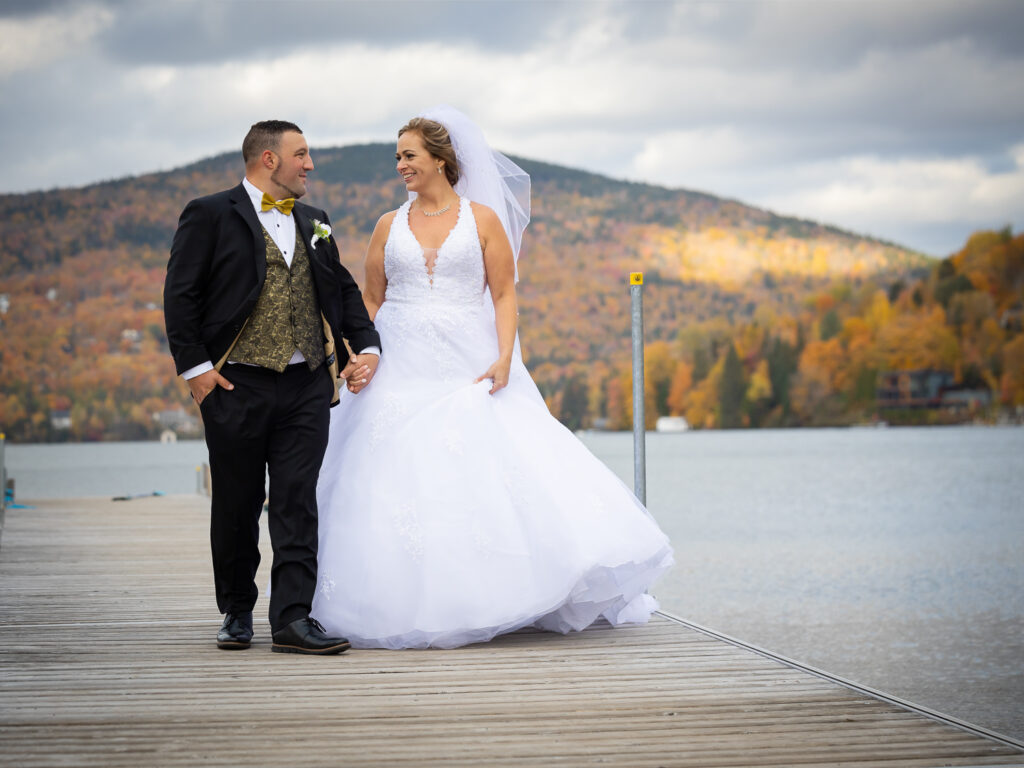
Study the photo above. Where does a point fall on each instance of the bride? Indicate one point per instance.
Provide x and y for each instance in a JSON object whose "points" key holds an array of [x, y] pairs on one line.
{"points": [[453, 506]]}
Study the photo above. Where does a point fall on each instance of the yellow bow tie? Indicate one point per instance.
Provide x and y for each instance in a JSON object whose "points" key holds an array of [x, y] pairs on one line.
{"points": [[284, 206]]}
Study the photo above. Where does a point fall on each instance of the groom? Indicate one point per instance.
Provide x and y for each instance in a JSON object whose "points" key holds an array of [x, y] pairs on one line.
{"points": [[254, 298]]}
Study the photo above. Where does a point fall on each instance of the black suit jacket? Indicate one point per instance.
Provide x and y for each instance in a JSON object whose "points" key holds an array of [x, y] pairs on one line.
{"points": [[216, 271]]}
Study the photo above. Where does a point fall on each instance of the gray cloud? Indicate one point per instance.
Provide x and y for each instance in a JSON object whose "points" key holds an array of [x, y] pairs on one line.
{"points": [[198, 31], [19, 9], [835, 35], [842, 110]]}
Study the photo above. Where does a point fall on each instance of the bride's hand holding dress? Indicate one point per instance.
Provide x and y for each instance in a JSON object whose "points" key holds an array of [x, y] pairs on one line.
{"points": [[500, 274]]}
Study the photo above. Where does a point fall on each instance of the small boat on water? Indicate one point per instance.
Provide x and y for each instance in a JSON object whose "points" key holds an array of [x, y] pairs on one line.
{"points": [[671, 424]]}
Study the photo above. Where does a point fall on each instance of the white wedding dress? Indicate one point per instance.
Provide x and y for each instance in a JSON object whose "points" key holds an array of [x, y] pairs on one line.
{"points": [[449, 515]]}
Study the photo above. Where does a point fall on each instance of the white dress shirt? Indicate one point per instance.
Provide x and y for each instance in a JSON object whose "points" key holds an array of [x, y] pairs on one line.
{"points": [[281, 229]]}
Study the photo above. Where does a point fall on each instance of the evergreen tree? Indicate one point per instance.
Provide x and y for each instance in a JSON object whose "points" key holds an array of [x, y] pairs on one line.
{"points": [[830, 325], [574, 402], [731, 390], [782, 363]]}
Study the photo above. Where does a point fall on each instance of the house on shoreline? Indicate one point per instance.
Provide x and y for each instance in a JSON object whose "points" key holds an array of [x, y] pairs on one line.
{"points": [[928, 388]]}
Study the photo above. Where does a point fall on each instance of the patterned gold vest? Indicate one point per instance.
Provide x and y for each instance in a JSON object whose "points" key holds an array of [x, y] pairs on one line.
{"points": [[287, 314]]}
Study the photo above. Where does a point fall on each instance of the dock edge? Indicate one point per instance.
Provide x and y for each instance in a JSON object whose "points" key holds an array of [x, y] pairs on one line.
{"points": [[977, 730]]}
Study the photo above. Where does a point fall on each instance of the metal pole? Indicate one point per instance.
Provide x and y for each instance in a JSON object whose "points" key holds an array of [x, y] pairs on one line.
{"points": [[3, 482], [3, 471], [636, 287]]}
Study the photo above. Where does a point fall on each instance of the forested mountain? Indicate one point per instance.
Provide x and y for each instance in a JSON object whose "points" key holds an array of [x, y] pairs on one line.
{"points": [[752, 318]]}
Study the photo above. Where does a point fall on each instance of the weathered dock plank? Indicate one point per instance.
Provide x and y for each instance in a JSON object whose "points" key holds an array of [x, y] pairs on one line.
{"points": [[107, 659]]}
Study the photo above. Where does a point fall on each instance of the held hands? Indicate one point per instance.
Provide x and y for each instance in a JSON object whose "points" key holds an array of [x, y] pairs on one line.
{"points": [[359, 371], [498, 373], [205, 383]]}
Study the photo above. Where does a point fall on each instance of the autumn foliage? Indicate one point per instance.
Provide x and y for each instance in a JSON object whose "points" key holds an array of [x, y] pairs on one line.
{"points": [[751, 319]]}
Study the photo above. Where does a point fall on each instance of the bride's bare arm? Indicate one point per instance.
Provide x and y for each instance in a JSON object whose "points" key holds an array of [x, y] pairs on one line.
{"points": [[360, 368], [376, 280], [500, 267]]}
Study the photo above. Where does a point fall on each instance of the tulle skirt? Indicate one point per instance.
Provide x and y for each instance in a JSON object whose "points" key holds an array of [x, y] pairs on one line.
{"points": [[449, 515]]}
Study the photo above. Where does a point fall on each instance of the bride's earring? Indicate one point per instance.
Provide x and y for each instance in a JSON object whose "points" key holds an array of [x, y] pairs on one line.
{"points": [[439, 169]]}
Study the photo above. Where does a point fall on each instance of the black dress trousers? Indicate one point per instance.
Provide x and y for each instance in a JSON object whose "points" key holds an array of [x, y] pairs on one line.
{"points": [[277, 424]]}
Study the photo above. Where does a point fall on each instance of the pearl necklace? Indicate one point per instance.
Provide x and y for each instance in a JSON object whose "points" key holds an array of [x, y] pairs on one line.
{"points": [[437, 213]]}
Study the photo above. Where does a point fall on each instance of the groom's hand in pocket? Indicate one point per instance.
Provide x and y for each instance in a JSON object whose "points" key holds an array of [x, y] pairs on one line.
{"points": [[359, 371], [205, 383]]}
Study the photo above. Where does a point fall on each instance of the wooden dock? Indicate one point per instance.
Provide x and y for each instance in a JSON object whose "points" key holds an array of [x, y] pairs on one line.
{"points": [[107, 658]]}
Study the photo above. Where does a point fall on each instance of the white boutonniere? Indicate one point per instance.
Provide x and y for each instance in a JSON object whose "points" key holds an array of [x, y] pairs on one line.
{"points": [[321, 231]]}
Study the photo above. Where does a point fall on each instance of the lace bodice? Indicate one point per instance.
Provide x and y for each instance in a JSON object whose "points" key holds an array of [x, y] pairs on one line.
{"points": [[457, 276]]}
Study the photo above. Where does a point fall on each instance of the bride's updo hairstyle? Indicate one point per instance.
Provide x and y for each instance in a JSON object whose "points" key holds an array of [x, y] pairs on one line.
{"points": [[438, 143]]}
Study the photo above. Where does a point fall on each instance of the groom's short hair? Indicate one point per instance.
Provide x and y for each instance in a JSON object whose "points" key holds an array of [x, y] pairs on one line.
{"points": [[265, 134]]}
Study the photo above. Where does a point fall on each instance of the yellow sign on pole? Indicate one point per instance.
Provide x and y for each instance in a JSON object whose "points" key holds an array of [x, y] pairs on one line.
{"points": [[636, 278]]}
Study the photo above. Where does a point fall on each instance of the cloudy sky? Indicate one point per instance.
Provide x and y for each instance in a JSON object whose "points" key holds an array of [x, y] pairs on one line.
{"points": [[899, 119]]}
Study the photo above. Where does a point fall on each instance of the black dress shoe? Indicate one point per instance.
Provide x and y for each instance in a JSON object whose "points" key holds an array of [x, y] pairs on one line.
{"points": [[236, 631], [307, 636]]}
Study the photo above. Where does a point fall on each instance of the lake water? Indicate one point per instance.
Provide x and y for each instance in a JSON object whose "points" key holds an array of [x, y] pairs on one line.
{"points": [[891, 557]]}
